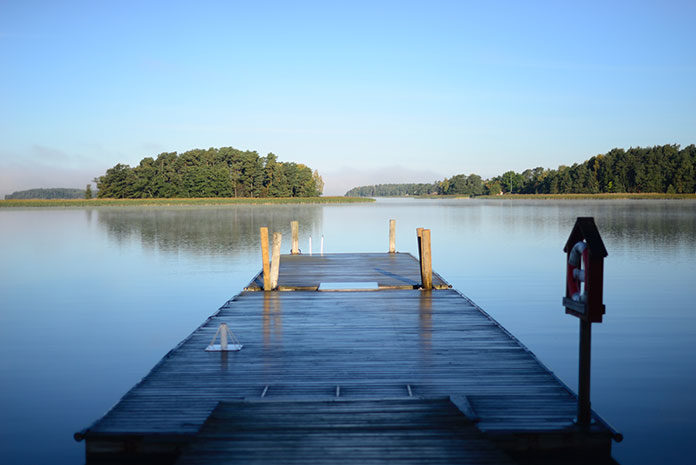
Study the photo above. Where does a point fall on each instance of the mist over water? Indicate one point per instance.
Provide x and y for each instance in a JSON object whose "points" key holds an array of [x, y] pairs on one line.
{"points": [[91, 299]]}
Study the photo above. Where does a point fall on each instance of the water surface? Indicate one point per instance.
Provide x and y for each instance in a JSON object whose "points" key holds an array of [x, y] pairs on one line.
{"points": [[91, 299]]}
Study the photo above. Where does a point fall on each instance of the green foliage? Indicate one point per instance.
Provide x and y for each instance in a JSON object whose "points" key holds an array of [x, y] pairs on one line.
{"points": [[53, 193], [392, 190], [493, 188], [461, 184], [223, 172], [88, 192], [636, 170], [659, 169]]}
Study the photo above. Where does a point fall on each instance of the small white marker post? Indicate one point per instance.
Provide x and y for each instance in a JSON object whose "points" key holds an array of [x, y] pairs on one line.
{"points": [[322, 245], [310, 245], [231, 345]]}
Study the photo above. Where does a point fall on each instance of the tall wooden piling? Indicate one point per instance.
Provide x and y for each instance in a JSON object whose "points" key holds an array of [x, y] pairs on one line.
{"points": [[392, 236], [419, 238], [295, 227], [275, 259], [426, 261], [264, 260]]}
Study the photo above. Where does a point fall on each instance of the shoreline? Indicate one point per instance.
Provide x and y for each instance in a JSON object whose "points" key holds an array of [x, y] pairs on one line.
{"points": [[603, 196], [634, 196], [173, 202]]}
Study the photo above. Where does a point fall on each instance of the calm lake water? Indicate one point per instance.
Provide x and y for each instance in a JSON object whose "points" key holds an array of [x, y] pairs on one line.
{"points": [[91, 299]]}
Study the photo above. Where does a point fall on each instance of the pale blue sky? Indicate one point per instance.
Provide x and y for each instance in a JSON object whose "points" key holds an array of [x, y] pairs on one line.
{"points": [[364, 92]]}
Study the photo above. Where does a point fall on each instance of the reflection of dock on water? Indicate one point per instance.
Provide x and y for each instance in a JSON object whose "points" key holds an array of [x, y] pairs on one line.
{"points": [[378, 372]]}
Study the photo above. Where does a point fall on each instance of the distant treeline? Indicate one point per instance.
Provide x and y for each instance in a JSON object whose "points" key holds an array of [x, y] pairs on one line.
{"points": [[660, 169], [52, 193], [223, 172], [392, 190]]}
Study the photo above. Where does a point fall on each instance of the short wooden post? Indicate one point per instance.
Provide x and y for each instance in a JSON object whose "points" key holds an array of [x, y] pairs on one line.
{"points": [[419, 237], [427, 261], [264, 260], [392, 236], [275, 259], [295, 227]]}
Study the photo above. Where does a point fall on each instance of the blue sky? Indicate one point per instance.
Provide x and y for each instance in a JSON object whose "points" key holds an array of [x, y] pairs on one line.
{"points": [[364, 92]]}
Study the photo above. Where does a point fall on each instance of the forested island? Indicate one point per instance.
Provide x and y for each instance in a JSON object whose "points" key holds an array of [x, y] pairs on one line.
{"points": [[660, 169], [50, 193], [223, 172]]}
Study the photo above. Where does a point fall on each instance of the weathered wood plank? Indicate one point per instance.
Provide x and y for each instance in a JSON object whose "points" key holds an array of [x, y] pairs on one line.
{"points": [[391, 270], [303, 345], [384, 431]]}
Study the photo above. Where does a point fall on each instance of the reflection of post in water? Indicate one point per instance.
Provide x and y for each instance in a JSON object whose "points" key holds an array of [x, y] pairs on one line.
{"points": [[272, 319], [223, 360], [426, 319]]}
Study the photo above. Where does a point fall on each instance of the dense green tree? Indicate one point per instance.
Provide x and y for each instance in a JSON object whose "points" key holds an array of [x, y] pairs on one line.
{"points": [[493, 188], [88, 192], [393, 190], [461, 184], [224, 172], [649, 169]]}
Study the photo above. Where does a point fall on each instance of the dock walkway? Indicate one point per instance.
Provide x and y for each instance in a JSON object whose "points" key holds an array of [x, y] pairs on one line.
{"points": [[397, 343]]}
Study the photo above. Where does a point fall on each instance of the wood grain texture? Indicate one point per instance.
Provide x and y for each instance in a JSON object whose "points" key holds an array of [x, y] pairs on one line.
{"points": [[392, 236], [265, 270], [385, 344], [341, 432]]}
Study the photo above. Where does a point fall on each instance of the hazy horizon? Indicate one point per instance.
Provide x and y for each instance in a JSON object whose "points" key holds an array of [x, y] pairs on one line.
{"points": [[404, 90]]}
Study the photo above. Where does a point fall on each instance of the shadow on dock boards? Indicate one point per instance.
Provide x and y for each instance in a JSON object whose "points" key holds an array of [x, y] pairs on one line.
{"points": [[396, 375]]}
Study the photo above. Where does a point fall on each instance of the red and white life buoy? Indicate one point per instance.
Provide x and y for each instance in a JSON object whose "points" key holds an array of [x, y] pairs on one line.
{"points": [[575, 274]]}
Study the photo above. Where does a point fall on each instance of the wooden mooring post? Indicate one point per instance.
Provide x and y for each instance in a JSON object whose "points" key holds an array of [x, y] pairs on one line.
{"points": [[426, 261], [392, 236], [275, 259], [295, 228], [264, 260], [272, 269], [425, 258], [419, 238]]}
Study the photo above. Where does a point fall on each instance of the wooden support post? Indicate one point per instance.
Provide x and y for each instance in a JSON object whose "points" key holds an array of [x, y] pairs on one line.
{"points": [[584, 410], [295, 227], [275, 259], [264, 260], [392, 236], [427, 261], [419, 236]]}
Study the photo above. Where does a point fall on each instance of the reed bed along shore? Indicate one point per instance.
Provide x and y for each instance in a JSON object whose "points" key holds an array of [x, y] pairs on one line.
{"points": [[208, 201]]}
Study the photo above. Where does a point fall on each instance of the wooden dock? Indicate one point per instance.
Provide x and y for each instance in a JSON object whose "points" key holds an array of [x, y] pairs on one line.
{"points": [[349, 377]]}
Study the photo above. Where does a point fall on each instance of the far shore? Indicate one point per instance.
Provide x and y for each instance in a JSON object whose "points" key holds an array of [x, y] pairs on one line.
{"points": [[612, 196], [173, 202]]}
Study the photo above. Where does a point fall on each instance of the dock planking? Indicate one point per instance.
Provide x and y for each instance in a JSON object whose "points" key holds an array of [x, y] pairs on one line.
{"points": [[388, 270], [342, 432], [397, 343]]}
